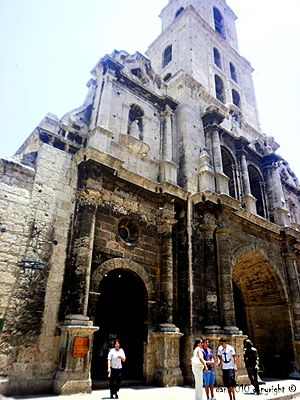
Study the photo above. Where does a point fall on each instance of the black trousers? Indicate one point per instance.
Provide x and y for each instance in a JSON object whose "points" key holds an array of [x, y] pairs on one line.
{"points": [[252, 374], [115, 380]]}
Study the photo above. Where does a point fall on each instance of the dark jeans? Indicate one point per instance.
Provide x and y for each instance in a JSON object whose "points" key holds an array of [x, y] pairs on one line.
{"points": [[229, 378], [115, 380]]}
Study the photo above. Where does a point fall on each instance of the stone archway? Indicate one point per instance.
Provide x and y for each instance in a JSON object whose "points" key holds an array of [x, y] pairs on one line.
{"points": [[262, 309], [119, 301]]}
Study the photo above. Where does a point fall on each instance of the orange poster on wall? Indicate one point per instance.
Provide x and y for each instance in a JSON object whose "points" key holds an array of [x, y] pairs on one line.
{"points": [[80, 347]]}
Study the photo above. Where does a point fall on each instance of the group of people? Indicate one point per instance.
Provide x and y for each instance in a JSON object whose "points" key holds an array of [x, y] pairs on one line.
{"points": [[203, 367]]}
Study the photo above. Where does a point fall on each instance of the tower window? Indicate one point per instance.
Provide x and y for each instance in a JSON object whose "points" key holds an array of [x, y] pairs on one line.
{"points": [[179, 12], [219, 89], [167, 56], [233, 72], [236, 98], [217, 58], [219, 22]]}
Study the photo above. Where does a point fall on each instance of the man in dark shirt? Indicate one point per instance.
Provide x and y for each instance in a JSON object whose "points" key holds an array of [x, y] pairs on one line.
{"points": [[251, 360]]}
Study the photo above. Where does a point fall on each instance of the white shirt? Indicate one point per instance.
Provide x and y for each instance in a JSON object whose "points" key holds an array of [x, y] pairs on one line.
{"points": [[227, 354], [113, 355]]}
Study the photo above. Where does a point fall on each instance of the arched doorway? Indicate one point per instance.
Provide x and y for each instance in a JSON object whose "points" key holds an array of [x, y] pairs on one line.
{"points": [[120, 312], [262, 311]]}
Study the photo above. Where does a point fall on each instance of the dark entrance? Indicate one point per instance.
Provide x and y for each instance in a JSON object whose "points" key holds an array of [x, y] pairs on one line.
{"points": [[121, 313]]}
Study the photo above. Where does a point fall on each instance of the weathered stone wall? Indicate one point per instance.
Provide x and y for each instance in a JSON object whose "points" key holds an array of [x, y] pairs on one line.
{"points": [[28, 342], [16, 183]]}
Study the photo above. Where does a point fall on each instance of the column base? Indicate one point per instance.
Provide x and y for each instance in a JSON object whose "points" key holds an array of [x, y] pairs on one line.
{"points": [[76, 343], [250, 203], [166, 364], [67, 382], [168, 172]]}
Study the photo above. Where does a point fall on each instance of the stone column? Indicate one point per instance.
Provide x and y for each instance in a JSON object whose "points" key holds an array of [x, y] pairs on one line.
{"points": [[211, 283], [248, 199], [79, 268], [205, 173], [227, 309], [76, 344], [168, 169], [276, 196], [106, 99], [290, 260], [221, 178], [165, 341], [166, 268], [100, 136]]}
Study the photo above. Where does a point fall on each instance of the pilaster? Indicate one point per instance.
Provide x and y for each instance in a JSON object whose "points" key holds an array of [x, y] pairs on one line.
{"points": [[79, 266]]}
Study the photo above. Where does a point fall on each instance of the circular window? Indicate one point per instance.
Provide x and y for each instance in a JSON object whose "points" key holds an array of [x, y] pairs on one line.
{"points": [[128, 231]]}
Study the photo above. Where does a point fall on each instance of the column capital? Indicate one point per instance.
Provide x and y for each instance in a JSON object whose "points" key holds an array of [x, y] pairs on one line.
{"points": [[89, 197]]}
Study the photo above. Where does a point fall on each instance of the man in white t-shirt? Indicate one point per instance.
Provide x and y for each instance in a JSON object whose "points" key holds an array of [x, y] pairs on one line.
{"points": [[115, 358], [228, 362]]}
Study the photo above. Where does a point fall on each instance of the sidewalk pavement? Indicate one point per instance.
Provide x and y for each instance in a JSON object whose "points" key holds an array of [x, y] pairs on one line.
{"points": [[279, 390]]}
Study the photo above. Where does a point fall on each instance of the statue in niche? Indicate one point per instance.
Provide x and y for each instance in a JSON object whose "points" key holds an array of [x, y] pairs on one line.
{"points": [[134, 129], [135, 122], [236, 120]]}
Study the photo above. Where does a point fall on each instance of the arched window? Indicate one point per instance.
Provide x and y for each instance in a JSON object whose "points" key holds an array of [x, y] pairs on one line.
{"points": [[257, 190], [217, 58], [219, 22], [220, 95], [179, 12], [135, 121], [233, 74], [167, 56], [236, 98], [230, 171]]}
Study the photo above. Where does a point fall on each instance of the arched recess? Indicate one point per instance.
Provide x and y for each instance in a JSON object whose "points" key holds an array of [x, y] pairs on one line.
{"points": [[120, 296], [257, 190], [230, 170], [262, 310]]}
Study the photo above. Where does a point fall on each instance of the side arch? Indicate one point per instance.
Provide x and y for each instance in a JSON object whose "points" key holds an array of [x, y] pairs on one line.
{"points": [[262, 308]]}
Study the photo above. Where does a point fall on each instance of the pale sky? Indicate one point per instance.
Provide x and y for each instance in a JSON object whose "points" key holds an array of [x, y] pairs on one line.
{"points": [[48, 48]]}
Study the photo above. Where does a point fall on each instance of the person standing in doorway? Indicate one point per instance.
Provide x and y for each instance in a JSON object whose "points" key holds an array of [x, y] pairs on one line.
{"points": [[228, 362], [198, 364], [115, 358], [209, 375]]}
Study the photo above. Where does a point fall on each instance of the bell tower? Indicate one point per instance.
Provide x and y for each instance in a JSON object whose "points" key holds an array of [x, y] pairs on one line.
{"points": [[199, 39]]}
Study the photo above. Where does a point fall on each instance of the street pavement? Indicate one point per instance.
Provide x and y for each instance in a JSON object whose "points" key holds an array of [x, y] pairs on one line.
{"points": [[279, 390]]}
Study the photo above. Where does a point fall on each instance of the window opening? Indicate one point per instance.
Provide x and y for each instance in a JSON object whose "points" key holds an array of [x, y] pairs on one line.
{"points": [[236, 98], [179, 12], [217, 58], [257, 190], [219, 22], [167, 56], [219, 89], [167, 77], [233, 72], [229, 170]]}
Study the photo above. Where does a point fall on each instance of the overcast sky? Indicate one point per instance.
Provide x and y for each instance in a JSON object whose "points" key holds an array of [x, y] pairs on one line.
{"points": [[48, 48]]}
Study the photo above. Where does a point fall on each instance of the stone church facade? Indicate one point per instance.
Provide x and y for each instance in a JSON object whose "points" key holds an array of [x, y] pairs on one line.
{"points": [[156, 212]]}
